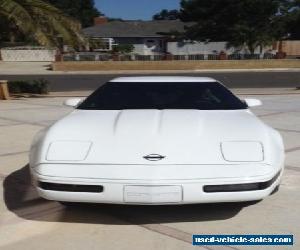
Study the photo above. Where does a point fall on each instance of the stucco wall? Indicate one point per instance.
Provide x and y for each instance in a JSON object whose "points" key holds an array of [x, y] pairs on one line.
{"points": [[28, 55]]}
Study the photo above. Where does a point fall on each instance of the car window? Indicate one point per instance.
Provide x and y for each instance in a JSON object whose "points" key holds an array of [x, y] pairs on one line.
{"points": [[162, 95]]}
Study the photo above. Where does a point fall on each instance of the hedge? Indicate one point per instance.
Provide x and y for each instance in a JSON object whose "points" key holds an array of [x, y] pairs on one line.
{"points": [[40, 86]]}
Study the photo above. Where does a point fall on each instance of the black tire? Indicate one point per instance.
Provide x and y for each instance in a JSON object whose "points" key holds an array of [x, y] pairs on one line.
{"points": [[276, 189], [68, 204], [250, 203]]}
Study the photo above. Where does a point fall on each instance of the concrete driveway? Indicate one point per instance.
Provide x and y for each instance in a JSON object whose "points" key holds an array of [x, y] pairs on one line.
{"points": [[29, 222]]}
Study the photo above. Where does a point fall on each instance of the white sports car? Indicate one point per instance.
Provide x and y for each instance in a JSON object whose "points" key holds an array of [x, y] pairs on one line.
{"points": [[158, 140]]}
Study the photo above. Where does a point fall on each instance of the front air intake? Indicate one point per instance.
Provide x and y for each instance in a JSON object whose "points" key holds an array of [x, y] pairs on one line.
{"points": [[70, 187], [240, 187]]}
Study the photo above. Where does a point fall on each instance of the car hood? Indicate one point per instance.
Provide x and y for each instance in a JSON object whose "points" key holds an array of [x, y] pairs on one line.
{"points": [[180, 136]]}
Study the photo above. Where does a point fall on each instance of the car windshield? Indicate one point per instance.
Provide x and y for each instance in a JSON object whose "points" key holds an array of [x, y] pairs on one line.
{"points": [[162, 95]]}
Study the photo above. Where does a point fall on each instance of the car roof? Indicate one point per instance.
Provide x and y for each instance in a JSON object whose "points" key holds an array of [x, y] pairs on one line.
{"points": [[163, 79]]}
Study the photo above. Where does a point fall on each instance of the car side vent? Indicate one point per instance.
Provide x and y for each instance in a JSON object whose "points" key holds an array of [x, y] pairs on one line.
{"points": [[70, 187]]}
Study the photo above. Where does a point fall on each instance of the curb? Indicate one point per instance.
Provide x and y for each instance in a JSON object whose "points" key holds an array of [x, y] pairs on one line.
{"points": [[150, 72]]}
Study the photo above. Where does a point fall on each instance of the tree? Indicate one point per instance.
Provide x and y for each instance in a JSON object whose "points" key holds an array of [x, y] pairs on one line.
{"points": [[82, 10], [292, 20], [41, 22], [294, 27], [167, 15], [239, 22]]}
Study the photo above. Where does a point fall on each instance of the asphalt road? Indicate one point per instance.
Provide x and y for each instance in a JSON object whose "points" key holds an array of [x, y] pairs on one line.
{"points": [[70, 82]]}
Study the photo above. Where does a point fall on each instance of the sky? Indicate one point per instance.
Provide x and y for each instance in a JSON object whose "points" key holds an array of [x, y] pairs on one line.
{"points": [[134, 9]]}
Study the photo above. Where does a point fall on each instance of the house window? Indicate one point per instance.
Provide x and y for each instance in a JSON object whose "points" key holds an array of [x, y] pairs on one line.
{"points": [[150, 43], [102, 44]]}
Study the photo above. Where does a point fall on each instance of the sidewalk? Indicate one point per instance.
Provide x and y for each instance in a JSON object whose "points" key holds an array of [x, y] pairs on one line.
{"points": [[44, 68], [25, 68]]}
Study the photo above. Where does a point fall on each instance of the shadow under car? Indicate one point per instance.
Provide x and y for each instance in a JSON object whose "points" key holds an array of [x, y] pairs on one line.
{"points": [[22, 199]]}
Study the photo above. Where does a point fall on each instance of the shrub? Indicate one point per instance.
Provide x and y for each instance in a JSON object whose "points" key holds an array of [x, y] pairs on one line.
{"points": [[40, 86], [123, 48], [16, 86]]}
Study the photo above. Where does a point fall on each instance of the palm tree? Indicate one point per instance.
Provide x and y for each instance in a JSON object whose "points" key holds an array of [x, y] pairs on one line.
{"points": [[42, 22]]}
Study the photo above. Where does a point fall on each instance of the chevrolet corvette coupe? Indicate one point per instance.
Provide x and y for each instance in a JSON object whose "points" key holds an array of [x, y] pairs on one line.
{"points": [[158, 140]]}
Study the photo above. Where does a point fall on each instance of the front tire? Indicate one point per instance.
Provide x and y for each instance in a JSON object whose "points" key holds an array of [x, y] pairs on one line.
{"points": [[276, 189], [68, 204]]}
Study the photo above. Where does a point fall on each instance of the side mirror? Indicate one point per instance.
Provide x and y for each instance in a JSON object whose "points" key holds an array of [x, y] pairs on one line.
{"points": [[74, 102], [253, 102]]}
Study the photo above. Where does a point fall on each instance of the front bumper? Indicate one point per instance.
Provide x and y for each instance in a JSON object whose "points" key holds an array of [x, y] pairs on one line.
{"points": [[174, 191]]}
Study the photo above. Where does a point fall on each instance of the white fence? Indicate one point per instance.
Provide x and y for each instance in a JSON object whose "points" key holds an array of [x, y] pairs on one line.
{"points": [[193, 48], [28, 55]]}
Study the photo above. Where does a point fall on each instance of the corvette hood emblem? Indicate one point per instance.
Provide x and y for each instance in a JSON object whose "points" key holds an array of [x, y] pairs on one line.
{"points": [[154, 157]]}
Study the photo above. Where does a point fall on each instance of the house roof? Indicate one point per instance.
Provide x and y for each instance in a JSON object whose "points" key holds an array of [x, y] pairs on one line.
{"points": [[116, 29]]}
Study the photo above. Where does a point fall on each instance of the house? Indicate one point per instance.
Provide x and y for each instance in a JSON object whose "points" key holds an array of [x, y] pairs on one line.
{"points": [[156, 38], [151, 38], [147, 37]]}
